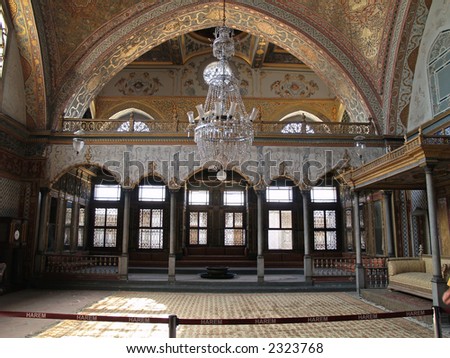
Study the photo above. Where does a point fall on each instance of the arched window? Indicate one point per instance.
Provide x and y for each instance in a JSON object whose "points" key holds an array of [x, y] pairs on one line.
{"points": [[298, 122], [133, 117]]}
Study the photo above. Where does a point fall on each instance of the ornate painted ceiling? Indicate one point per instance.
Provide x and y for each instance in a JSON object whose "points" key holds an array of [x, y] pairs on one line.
{"points": [[361, 48]]}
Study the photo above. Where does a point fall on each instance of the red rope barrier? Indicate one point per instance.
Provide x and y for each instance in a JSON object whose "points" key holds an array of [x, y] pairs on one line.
{"points": [[312, 319], [83, 317], [232, 321]]}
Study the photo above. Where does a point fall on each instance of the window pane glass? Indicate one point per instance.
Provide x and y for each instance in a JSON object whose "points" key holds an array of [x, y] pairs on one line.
{"points": [[323, 194], [203, 219], [156, 239], [80, 237], [238, 220], [144, 217], [193, 237], [152, 193], [235, 198], [202, 234], [107, 192], [331, 240], [99, 237], [100, 215], [330, 219], [157, 218], [234, 237], [199, 197], [68, 218], [150, 238], [279, 194], [111, 219], [229, 219], [319, 240], [110, 238], [81, 217], [286, 219], [280, 240], [274, 219], [144, 239], [193, 219], [67, 236], [318, 217]]}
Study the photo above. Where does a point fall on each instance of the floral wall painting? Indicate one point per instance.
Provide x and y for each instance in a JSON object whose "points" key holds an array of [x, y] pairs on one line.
{"points": [[138, 83], [294, 86]]}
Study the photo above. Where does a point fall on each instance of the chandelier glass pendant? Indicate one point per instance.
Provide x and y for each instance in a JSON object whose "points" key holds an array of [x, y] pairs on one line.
{"points": [[223, 130]]}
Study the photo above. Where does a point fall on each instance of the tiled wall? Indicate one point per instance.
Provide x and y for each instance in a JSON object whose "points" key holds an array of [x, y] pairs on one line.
{"points": [[10, 192]]}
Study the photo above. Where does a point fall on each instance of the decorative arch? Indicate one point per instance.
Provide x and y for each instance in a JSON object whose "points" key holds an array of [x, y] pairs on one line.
{"points": [[149, 29], [153, 174], [69, 168], [121, 107]]}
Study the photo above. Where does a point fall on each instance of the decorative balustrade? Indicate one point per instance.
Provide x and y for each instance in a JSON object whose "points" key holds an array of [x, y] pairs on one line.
{"points": [[81, 265], [177, 127], [333, 266], [374, 267]]}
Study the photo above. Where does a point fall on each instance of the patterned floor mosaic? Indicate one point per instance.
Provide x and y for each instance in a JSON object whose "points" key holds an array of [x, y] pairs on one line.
{"points": [[216, 306]]}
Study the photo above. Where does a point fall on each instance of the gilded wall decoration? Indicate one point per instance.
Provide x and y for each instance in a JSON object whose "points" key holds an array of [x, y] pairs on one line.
{"points": [[294, 86], [327, 65], [138, 84], [400, 64], [130, 163], [30, 53]]}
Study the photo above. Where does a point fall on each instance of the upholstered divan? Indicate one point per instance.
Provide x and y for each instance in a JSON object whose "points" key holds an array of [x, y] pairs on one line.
{"points": [[413, 274]]}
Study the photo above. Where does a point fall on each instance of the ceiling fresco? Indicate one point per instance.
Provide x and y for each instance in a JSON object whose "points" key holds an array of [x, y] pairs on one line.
{"points": [[84, 43]]}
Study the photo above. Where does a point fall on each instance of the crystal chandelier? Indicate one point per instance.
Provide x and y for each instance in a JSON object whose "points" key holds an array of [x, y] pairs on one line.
{"points": [[223, 130]]}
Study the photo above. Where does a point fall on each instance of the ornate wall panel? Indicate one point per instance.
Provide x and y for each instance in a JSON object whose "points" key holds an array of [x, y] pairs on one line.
{"points": [[401, 64], [30, 53], [174, 164], [10, 191]]}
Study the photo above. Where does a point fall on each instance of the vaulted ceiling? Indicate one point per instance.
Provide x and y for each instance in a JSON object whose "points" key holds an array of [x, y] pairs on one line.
{"points": [[71, 48]]}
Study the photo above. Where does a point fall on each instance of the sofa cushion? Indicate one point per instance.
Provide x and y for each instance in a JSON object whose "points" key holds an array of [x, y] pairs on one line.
{"points": [[397, 266], [418, 283]]}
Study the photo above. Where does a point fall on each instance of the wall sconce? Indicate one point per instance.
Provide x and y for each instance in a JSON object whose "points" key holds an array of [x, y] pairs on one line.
{"points": [[360, 146], [78, 143]]}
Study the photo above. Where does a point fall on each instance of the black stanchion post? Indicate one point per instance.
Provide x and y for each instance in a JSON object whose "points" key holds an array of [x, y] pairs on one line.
{"points": [[437, 322], [173, 323]]}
